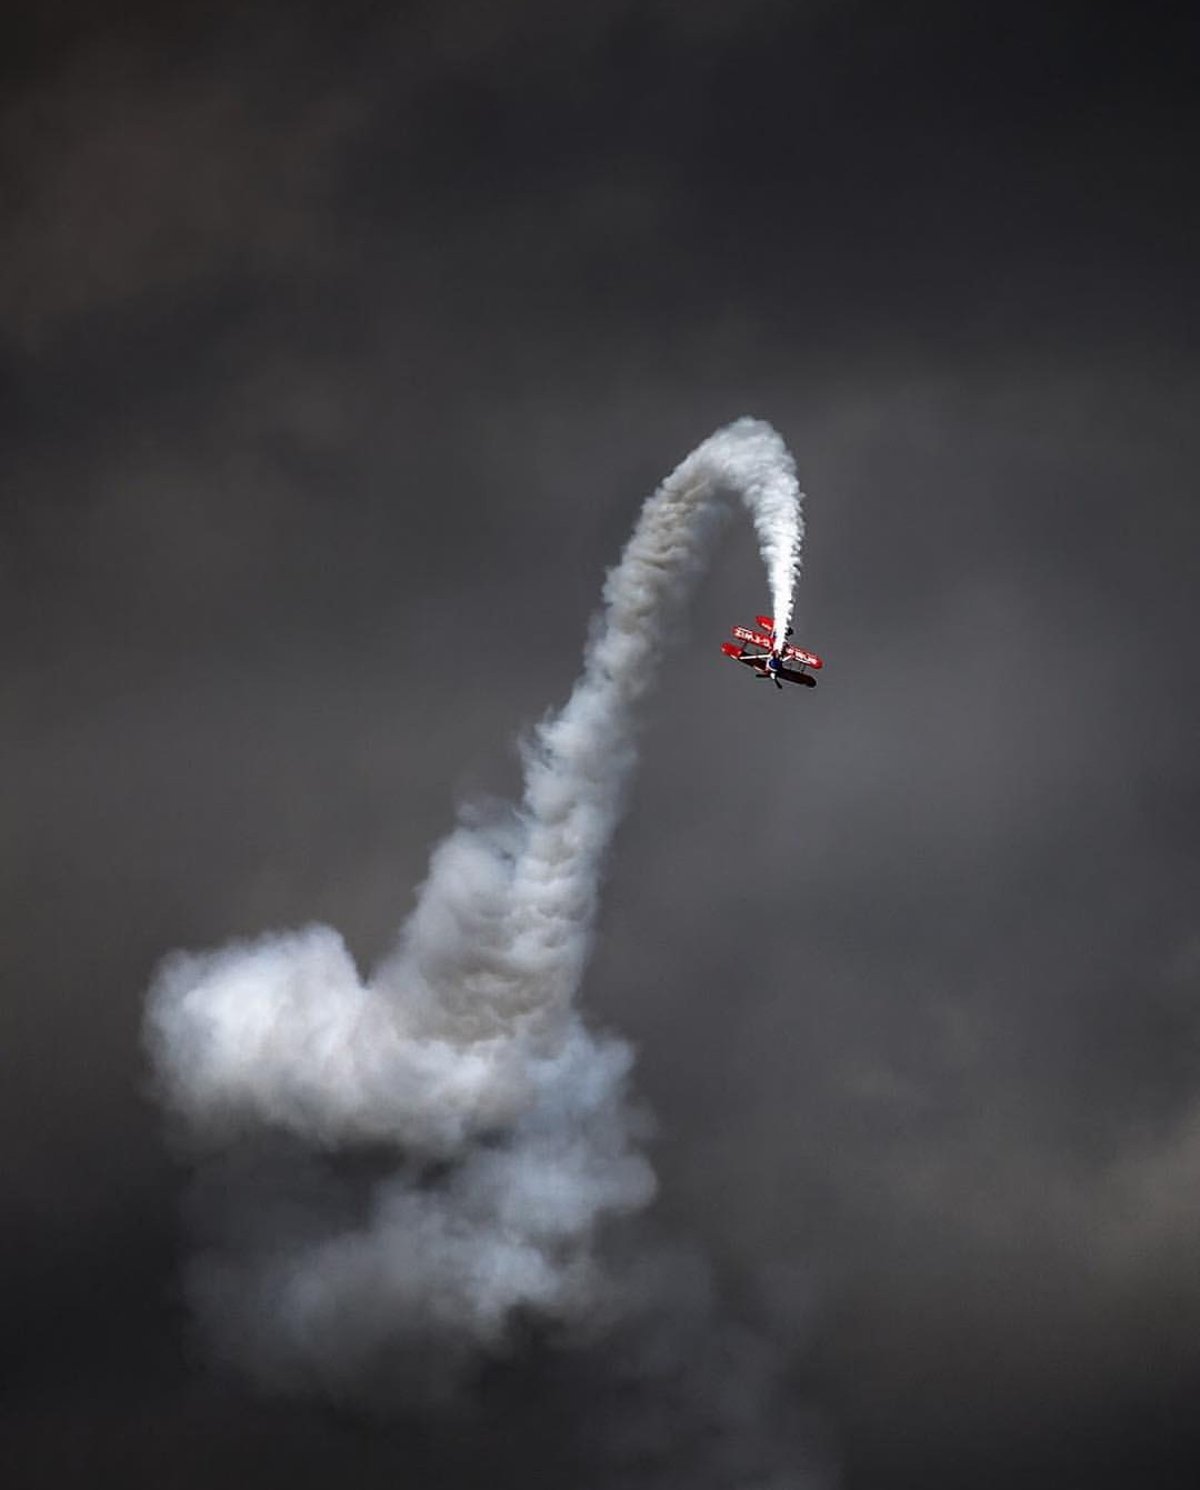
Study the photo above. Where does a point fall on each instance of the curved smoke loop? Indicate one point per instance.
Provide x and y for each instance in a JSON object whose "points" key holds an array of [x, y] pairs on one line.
{"points": [[505, 1122]]}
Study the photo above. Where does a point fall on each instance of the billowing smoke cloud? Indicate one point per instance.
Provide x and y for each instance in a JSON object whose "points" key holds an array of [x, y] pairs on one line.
{"points": [[427, 1155]]}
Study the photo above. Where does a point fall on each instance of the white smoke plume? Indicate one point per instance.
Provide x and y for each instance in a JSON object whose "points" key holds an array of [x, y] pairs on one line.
{"points": [[428, 1154]]}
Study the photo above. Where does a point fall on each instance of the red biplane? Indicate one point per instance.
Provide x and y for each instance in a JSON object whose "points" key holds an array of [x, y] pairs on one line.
{"points": [[765, 655]]}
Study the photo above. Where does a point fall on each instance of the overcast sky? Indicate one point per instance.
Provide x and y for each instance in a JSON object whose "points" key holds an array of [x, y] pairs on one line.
{"points": [[335, 337]]}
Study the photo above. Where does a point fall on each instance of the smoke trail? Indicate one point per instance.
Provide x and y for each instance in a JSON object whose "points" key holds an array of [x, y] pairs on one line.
{"points": [[426, 1155]]}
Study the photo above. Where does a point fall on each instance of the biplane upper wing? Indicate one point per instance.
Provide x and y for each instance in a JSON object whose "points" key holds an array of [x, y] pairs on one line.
{"points": [[806, 659], [755, 638], [766, 640]]}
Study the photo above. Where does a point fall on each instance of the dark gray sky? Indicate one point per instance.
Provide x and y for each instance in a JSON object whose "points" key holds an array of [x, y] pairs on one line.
{"points": [[328, 332]]}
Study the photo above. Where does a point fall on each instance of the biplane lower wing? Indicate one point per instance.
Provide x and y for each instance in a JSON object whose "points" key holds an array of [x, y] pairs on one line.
{"points": [[758, 665]]}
